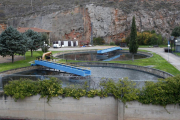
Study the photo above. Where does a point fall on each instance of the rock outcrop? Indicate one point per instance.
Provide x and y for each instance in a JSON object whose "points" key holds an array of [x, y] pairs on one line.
{"points": [[111, 18]]}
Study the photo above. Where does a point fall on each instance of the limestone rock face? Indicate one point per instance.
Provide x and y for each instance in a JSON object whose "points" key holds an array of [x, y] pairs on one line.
{"points": [[111, 19]]}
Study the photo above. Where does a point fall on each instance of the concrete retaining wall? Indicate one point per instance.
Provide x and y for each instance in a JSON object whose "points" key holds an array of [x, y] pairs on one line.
{"points": [[84, 109], [127, 66], [65, 109]]}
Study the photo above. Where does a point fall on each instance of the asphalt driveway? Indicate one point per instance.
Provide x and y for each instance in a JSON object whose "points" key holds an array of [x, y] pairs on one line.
{"points": [[171, 58]]}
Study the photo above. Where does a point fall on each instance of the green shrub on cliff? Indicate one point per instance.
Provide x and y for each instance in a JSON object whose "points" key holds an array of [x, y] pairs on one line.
{"points": [[148, 38], [98, 41]]}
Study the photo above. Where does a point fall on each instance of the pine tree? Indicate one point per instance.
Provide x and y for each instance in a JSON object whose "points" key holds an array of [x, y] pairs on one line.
{"points": [[35, 40], [12, 42], [46, 41], [133, 43]]}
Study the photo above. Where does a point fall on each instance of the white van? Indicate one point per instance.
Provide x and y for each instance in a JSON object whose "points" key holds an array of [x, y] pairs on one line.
{"points": [[57, 44]]}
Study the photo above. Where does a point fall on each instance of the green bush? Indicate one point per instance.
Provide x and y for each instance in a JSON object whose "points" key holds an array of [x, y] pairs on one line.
{"points": [[112, 43], [44, 49], [148, 38], [19, 89], [50, 88], [165, 91], [123, 90], [98, 41], [117, 43]]}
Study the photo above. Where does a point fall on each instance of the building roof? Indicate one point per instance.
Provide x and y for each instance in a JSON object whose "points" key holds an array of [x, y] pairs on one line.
{"points": [[2, 27], [22, 30]]}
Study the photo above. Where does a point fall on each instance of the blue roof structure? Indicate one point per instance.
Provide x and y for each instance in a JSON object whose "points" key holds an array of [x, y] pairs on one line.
{"points": [[109, 50], [66, 68]]}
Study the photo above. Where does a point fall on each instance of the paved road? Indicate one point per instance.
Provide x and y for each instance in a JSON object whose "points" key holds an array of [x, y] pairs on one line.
{"points": [[79, 48], [171, 58]]}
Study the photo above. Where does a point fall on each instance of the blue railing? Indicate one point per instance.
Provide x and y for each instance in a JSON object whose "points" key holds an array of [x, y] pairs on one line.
{"points": [[109, 50], [112, 58], [64, 67]]}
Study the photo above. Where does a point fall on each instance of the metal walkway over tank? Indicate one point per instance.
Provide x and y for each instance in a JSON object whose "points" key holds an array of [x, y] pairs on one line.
{"points": [[112, 58], [63, 67], [109, 50]]}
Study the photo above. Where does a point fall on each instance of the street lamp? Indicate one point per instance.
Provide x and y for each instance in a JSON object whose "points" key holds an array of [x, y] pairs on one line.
{"points": [[44, 47], [171, 38], [168, 50], [174, 45]]}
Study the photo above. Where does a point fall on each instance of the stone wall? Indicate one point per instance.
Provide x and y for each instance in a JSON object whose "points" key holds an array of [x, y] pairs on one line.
{"points": [[69, 19], [84, 109]]}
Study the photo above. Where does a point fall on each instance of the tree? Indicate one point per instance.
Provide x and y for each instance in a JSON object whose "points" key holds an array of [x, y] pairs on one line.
{"points": [[35, 40], [98, 41], [12, 42], [45, 41], [133, 44], [176, 31]]}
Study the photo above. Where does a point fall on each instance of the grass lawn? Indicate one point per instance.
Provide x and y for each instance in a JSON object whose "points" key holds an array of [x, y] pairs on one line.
{"points": [[177, 54], [22, 63], [157, 61], [147, 46]]}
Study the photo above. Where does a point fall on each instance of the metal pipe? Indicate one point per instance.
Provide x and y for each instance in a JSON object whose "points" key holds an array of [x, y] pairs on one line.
{"points": [[48, 53]]}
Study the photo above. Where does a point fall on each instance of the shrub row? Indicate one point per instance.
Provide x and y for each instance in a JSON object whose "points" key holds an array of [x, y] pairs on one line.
{"points": [[165, 91], [148, 38]]}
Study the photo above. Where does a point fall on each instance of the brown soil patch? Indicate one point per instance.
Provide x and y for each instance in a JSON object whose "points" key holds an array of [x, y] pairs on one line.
{"points": [[8, 59]]}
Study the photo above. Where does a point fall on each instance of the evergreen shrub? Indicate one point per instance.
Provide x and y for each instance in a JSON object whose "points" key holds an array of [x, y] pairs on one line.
{"points": [[98, 41]]}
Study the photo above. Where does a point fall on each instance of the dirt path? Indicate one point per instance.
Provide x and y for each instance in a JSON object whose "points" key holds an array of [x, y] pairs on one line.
{"points": [[8, 59]]}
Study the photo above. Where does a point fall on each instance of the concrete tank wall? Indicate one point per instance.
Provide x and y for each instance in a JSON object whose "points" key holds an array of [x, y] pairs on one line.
{"points": [[127, 66], [84, 109]]}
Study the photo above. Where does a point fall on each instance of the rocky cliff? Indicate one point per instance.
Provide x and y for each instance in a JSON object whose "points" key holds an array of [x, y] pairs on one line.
{"points": [[69, 19]]}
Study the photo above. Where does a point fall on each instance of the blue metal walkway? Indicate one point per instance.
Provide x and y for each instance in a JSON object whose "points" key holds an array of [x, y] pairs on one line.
{"points": [[112, 58], [64, 67], [109, 50]]}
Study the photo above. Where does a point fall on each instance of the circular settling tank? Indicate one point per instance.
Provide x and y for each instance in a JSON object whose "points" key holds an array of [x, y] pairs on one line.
{"points": [[117, 55], [97, 73]]}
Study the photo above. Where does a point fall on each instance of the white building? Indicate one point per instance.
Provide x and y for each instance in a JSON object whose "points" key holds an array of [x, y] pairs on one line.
{"points": [[177, 45]]}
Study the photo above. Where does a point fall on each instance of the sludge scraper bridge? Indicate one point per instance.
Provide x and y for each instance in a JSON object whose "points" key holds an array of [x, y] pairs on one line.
{"points": [[63, 67], [109, 50]]}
